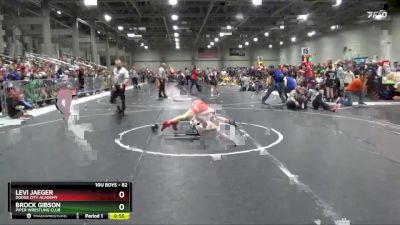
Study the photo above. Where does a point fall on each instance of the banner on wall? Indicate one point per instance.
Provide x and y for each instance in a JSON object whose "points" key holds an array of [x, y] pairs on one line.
{"points": [[236, 52], [206, 53], [260, 63], [305, 51]]}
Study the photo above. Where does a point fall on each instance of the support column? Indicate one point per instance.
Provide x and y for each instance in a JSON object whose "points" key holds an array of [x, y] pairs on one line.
{"points": [[46, 30], [29, 43], [394, 55], [57, 45], [75, 39], [2, 33], [108, 57], [131, 57], [222, 58], [93, 46], [251, 57], [194, 56]]}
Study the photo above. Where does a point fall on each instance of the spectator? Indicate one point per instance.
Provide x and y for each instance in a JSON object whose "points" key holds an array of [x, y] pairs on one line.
{"points": [[330, 76], [316, 97], [348, 77], [356, 87], [194, 78], [15, 108], [297, 99]]}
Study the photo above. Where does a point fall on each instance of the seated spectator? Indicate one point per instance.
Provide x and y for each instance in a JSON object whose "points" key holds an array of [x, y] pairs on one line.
{"points": [[244, 83], [15, 107], [315, 95], [297, 99]]}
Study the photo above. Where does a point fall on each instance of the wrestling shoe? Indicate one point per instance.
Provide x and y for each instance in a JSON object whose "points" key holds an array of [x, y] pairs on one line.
{"points": [[335, 108], [168, 123], [233, 123]]}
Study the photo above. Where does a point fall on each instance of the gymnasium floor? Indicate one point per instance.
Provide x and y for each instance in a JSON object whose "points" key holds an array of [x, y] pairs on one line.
{"points": [[305, 167]]}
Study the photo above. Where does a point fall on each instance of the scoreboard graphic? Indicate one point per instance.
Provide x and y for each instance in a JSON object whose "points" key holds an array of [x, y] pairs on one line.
{"points": [[70, 200]]}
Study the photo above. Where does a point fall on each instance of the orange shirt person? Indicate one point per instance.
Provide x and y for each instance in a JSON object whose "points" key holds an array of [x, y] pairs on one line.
{"points": [[356, 87]]}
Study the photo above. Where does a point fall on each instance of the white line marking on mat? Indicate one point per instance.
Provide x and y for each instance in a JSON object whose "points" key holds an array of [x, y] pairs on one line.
{"points": [[118, 141], [294, 180]]}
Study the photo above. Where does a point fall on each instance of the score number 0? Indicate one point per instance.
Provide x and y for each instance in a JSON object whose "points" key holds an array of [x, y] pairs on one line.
{"points": [[121, 195]]}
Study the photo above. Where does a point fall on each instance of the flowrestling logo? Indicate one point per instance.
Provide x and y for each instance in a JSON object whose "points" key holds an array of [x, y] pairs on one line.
{"points": [[377, 15]]}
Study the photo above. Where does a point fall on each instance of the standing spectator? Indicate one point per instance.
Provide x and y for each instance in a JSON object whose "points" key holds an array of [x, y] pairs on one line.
{"points": [[187, 75], [81, 78], [212, 77], [330, 76], [194, 79], [135, 78], [340, 75], [348, 77], [162, 77]]}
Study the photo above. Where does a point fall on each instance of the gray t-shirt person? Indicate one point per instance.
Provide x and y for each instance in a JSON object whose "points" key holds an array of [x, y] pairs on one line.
{"points": [[120, 75]]}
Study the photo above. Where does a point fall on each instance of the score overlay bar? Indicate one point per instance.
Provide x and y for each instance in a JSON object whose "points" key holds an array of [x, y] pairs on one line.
{"points": [[69, 200]]}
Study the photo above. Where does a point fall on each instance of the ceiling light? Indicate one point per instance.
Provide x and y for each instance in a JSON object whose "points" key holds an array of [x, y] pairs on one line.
{"points": [[246, 43], [338, 2], [172, 2], [257, 2], [58, 12], [240, 46], [174, 17], [208, 46], [107, 17], [293, 39], [282, 27], [176, 39], [302, 17], [212, 43], [255, 39], [229, 27], [225, 34], [120, 28], [239, 16], [310, 34], [98, 32], [146, 47], [281, 43], [176, 35], [270, 46], [175, 27], [216, 39], [266, 34], [177, 47], [141, 44], [334, 27], [90, 2]]}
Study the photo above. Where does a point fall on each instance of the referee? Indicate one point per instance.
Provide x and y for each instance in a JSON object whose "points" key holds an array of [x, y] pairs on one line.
{"points": [[120, 80]]}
